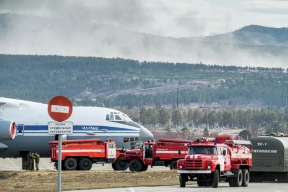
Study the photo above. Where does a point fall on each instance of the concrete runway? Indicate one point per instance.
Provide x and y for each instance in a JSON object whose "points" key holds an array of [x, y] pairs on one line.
{"points": [[223, 187], [45, 164]]}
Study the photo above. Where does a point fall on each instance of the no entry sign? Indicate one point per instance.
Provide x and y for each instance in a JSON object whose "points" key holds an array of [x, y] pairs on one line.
{"points": [[60, 108]]}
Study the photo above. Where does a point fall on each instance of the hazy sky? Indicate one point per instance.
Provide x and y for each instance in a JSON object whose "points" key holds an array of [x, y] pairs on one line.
{"points": [[69, 30], [175, 18]]}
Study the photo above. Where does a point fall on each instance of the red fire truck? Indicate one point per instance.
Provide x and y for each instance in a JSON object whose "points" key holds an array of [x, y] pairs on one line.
{"points": [[81, 154], [211, 160], [167, 151]]}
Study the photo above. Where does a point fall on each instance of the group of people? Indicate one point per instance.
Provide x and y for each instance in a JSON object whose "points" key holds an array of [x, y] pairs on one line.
{"points": [[31, 160]]}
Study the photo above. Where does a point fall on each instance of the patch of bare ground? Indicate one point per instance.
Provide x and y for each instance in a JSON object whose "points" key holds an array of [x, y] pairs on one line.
{"points": [[80, 180]]}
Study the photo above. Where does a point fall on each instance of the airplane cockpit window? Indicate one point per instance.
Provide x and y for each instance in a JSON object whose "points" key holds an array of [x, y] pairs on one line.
{"points": [[111, 117], [117, 118], [125, 117]]}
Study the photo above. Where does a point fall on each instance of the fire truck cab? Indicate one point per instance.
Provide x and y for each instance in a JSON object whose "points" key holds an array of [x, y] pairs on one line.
{"points": [[210, 161]]}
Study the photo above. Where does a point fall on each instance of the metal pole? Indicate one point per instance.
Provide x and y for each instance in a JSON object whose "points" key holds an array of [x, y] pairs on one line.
{"points": [[177, 101], [59, 161]]}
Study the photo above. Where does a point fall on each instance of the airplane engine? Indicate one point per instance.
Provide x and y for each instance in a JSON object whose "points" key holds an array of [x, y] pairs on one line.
{"points": [[7, 130]]}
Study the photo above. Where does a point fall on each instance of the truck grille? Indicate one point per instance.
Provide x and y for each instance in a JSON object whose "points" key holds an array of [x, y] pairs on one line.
{"points": [[193, 164]]}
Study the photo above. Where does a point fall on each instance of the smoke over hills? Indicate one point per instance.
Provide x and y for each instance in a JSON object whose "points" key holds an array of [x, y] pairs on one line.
{"points": [[115, 33]]}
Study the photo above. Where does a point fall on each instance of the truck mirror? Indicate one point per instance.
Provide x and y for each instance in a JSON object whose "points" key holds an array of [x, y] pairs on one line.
{"points": [[179, 152], [224, 152]]}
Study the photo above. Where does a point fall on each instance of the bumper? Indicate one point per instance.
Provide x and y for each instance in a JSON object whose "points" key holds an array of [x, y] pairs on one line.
{"points": [[194, 171]]}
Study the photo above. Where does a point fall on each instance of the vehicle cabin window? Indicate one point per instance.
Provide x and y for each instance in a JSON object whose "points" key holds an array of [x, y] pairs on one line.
{"points": [[202, 150], [226, 151], [111, 146], [107, 117]]}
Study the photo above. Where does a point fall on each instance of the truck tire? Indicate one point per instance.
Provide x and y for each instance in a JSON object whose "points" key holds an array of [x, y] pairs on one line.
{"points": [[70, 164], [231, 181], [238, 179], [173, 165], [145, 167], [135, 165], [246, 178], [120, 164], [182, 179], [200, 183], [215, 180], [85, 164]]}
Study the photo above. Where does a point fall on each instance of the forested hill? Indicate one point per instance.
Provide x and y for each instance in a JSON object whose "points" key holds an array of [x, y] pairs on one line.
{"points": [[252, 35], [119, 82]]}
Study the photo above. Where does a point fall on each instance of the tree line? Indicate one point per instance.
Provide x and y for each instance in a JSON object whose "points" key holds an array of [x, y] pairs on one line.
{"points": [[262, 121], [92, 80]]}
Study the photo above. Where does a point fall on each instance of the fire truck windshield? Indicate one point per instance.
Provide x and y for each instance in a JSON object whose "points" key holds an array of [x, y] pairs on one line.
{"points": [[201, 150]]}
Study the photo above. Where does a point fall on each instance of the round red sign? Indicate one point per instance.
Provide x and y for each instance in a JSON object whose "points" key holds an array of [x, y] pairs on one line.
{"points": [[60, 108]]}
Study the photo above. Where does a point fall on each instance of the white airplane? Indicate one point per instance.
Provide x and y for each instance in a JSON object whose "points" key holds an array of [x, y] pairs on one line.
{"points": [[24, 127]]}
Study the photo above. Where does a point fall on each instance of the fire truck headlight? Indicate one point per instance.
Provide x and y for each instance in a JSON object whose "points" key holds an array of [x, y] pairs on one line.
{"points": [[180, 166], [209, 167]]}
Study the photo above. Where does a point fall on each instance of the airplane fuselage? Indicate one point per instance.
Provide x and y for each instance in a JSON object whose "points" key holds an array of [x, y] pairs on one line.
{"points": [[88, 122]]}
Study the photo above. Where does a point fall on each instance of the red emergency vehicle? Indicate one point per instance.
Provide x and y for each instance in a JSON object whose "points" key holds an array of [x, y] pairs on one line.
{"points": [[81, 154], [166, 151], [210, 161]]}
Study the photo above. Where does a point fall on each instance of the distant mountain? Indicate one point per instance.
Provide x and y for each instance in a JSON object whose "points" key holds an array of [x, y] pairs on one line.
{"points": [[251, 35], [24, 34]]}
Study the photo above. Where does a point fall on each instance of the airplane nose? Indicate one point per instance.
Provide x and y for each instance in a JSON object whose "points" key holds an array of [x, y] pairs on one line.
{"points": [[145, 134]]}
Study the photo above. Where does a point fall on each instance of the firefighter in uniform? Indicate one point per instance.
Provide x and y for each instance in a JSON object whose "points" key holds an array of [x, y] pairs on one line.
{"points": [[31, 161], [37, 160]]}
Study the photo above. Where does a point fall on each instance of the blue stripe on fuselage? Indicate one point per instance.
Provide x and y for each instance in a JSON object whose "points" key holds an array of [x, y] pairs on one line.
{"points": [[78, 128]]}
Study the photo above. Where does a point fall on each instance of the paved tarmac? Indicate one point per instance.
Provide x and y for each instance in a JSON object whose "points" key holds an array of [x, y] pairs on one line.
{"points": [[223, 187], [45, 164]]}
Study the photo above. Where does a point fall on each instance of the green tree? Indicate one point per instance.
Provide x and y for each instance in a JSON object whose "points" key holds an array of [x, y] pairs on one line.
{"points": [[177, 117], [163, 116]]}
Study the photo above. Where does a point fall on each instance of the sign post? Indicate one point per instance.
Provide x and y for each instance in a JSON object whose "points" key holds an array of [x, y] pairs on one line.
{"points": [[60, 109]]}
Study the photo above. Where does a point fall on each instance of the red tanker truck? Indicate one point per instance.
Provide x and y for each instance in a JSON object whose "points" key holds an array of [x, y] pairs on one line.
{"points": [[211, 160], [168, 151]]}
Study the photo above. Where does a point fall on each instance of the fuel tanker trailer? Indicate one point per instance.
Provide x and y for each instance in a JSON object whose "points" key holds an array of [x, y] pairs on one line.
{"points": [[270, 159]]}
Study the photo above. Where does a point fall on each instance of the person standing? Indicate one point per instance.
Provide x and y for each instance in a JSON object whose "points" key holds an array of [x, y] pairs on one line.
{"points": [[31, 161], [37, 161]]}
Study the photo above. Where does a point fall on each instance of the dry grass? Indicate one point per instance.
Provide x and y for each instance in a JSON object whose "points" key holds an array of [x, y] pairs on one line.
{"points": [[77, 180]]}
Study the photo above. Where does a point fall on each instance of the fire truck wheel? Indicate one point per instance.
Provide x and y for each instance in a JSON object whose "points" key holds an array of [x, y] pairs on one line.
{"points": [[182, 179], [231, 181], [113, 166], [135, 165], [173, 164], [215, 179], [200, 183], [145, 167], [120, 164], [70, 164], [246, 178], [238, 179], [85, 164]]}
